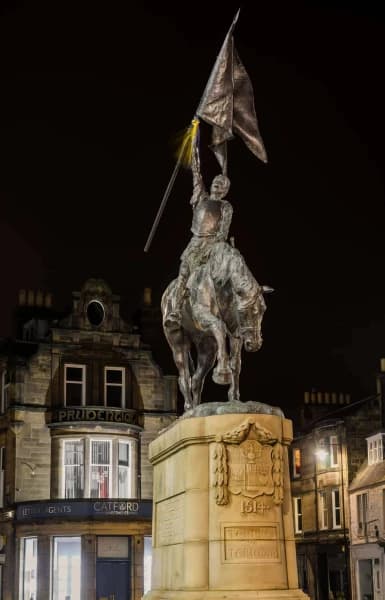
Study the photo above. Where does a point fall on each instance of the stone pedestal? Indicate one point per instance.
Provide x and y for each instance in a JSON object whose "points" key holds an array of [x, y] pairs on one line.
{"points": [[223, 525]]}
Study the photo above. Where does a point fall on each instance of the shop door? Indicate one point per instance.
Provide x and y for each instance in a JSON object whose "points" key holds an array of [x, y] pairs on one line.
{"points": [[365, 576], [113, 580]]}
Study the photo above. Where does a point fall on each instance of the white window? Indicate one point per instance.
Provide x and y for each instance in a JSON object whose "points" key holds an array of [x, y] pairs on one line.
{"points": [[362, 510], [124, 480], [28, 568], [2, 476], [74, 385], [334, 451], [73, 468], [66, 568], [100, 469], [5, 390], [375, 448], [297, 515], [114, 387], [336, 508], [297, 462], [323, 510]]}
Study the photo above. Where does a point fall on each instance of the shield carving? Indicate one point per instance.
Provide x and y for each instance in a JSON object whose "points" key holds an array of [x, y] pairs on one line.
{"points": [[250, 469]]}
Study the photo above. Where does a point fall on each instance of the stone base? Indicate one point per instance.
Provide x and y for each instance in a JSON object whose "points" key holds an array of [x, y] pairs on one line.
{"points": [[223, 523], [296, 594]]}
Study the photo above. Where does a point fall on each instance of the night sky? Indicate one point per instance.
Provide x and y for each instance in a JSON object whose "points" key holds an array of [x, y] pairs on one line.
{"points": [[92, 97]]}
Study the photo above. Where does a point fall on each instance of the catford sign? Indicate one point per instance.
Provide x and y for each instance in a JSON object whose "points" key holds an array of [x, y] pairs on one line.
{"points": [[131, 509]]}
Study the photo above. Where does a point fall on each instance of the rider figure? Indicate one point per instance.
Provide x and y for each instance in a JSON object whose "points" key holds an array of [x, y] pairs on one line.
{"points": [[211, 221]]}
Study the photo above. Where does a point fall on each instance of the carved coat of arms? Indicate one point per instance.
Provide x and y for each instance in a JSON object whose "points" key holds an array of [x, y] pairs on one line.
{"points": [[249, 461]]}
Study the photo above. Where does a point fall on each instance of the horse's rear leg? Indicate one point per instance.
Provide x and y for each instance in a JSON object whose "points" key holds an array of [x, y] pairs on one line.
{"points": [[180, 349], [206, 355]]}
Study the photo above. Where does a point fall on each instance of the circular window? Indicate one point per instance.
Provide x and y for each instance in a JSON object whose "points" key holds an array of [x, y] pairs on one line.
{"points": [[95, 312]]}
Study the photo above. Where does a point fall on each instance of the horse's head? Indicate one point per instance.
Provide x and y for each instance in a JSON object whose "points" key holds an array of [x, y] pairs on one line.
{"points": [[250, 319]]}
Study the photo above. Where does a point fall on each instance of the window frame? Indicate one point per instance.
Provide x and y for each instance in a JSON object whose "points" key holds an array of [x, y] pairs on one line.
{"points": [[132, 473], [336, 508], [334, 451], [297, 465], [362, 513], [64, 479], [110, 465], [323, 510], [298, 515], [121, 385], [5, 388], [22, 579], [53, 557], [375, 448], [82, 383], [2, 475]]}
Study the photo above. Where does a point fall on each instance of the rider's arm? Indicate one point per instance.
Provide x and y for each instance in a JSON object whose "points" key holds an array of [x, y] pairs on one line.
{"points": [[199, 190], [227, 214]]}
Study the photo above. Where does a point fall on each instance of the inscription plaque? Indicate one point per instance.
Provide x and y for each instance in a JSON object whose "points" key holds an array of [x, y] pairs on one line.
{"points": [[169, 521], [250, 543]]}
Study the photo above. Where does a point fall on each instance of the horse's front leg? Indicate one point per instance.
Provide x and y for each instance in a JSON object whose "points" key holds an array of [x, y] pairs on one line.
{"points": [[217, 329], [235, 364], [206, 355]]}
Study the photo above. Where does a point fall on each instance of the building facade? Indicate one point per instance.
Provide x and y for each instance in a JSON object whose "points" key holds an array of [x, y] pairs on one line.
{"points": [[367, 509], [81, 399], [326, 455]]}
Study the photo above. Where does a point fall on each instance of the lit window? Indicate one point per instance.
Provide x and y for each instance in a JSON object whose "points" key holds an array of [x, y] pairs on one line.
{"points": [[362, 509], [323, 510], [336, 508], [124, 487], [66, 567], [297, 515], [334, 451], [29, 568], [296, 462], [375, 448], [74, 385], [114, 387], [100, 469], [73, 468], [147, 561]]}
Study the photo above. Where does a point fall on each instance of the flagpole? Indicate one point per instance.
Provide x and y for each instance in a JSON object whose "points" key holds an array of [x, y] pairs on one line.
{"points": [[165, 198]]}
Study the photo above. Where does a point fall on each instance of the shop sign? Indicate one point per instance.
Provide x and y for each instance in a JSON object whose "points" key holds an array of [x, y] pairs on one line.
{"points": [[84, 509], [105, 415]]}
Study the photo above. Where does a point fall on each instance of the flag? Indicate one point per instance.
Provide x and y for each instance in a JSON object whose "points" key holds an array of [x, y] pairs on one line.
{"points": [[228, 103]]}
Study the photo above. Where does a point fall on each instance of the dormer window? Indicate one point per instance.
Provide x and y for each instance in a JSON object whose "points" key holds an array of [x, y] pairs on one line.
{"points": [[376, 448], [74, 385]]}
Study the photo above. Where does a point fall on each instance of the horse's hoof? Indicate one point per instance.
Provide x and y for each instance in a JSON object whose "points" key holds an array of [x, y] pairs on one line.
{"points": [[222, 376], [173, 320]]}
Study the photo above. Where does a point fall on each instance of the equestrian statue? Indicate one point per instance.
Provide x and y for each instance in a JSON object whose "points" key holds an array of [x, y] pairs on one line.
{"points": [[215, 304]]}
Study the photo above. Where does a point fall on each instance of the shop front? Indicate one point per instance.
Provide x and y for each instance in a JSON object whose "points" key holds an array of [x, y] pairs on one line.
{"points": [[83, 549]]}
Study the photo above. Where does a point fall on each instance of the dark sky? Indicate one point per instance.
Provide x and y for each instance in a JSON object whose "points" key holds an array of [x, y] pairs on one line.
{"points": [[92, 97]]}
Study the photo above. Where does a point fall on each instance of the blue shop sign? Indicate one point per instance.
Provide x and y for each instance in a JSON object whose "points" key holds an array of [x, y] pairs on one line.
{"points": [[84, 509]]}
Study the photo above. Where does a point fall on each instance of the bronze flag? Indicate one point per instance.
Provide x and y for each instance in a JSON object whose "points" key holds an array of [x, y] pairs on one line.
{"points": [[228, 103]]}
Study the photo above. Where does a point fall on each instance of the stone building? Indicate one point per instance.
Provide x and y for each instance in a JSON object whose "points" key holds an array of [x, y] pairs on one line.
{"points": [[367, 510], [326, 454], [81, 398]]}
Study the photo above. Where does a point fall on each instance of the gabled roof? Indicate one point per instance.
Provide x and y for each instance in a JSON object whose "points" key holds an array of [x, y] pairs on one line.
{"points": [[368, 475]]}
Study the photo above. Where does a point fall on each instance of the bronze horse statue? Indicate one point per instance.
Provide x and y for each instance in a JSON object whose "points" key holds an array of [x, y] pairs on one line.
{"points": [[223, 307]]}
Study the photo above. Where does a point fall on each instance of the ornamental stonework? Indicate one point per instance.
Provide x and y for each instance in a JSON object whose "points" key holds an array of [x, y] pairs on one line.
{"points": [[248, 461]]}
